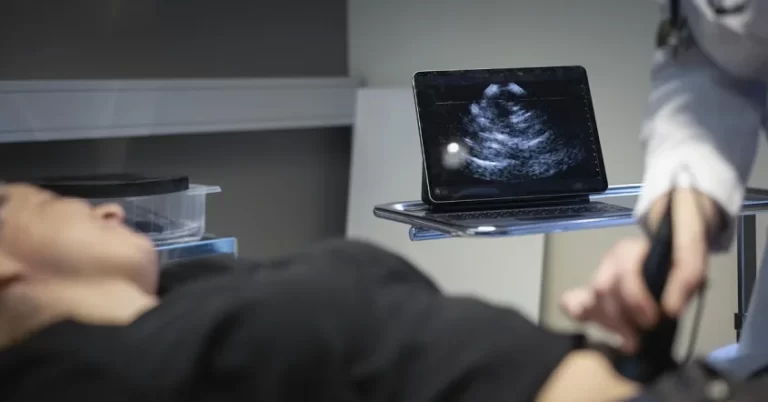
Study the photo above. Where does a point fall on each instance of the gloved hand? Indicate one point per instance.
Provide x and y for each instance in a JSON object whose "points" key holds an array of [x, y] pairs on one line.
{"points": [[617, 298]]}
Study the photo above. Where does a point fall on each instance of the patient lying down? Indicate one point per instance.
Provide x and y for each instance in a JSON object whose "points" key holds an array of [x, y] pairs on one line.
{"points": [[86, 315]]}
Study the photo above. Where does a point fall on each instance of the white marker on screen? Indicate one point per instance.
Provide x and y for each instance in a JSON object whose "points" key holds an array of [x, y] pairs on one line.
{"points": [[454, 156]]}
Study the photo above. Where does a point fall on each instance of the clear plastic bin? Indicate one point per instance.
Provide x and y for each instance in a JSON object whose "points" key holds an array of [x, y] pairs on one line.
{"points": [[167, 218], [167, 209]]}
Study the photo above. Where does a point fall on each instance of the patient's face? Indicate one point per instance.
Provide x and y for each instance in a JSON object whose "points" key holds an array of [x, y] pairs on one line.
{"points": [[51, 235]]}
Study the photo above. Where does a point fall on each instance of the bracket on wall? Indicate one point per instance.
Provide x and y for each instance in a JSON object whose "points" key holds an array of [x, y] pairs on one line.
{"points": [[84, 109]]}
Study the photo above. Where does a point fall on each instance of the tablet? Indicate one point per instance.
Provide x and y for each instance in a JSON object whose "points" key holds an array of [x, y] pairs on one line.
{"points": [[505, 134]]}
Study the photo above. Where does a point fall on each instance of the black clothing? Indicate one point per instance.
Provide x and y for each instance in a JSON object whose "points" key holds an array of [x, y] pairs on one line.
{"points": [[346, 322]]}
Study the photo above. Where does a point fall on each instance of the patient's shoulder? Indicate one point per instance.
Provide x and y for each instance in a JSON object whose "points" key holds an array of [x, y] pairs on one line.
{"points": [[178, 274], [338, 257]]}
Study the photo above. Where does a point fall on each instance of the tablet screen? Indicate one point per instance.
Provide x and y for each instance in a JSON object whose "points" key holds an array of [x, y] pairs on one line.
{"points": [[508, 133]]}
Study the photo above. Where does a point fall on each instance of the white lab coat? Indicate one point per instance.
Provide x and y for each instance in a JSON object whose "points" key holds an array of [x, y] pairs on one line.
{"points": [[705, 111]]}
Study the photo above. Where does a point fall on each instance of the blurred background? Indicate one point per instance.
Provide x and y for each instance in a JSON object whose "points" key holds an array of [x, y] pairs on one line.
{"points": [[301, 111]]}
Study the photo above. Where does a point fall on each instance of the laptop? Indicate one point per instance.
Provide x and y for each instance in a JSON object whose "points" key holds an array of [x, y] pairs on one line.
{"points": [[515, 146]]}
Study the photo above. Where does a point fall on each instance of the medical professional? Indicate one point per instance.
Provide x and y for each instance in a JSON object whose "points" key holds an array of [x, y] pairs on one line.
{"points": [[706, 108]]}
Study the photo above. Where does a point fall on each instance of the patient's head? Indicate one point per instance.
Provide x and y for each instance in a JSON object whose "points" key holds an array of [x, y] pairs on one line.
{"points": [[42, 234]]}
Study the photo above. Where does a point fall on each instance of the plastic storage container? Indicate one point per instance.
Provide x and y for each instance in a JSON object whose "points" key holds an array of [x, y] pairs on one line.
{"points": [[167, 218], [168, 210]]}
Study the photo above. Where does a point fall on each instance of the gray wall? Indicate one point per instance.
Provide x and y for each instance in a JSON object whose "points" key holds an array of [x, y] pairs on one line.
{"points": [[171, 38], [282, 189]]}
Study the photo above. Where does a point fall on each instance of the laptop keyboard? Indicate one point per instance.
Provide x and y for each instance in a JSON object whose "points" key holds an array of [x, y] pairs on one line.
{"points": [[543, 213]]}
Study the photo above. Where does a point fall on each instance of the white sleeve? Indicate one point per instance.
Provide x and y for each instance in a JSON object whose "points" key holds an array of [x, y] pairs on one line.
{"points": [[701, 132]]}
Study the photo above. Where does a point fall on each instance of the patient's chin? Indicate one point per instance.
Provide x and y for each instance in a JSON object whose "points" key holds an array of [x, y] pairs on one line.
{"points": [[148, 278], [140, 266], [99, 253], [10, 268], [131, 258]]}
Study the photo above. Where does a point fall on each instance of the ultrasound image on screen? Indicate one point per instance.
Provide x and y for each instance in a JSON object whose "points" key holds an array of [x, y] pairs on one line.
{"points": [[497, 134], [509, 138]]}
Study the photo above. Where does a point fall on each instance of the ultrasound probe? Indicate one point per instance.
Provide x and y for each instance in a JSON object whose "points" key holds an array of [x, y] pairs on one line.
{"points": [[654, 356]]}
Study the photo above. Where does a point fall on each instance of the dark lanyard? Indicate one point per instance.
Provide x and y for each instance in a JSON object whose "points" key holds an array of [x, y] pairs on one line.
{"points": [[674, 13], [668, 33]]}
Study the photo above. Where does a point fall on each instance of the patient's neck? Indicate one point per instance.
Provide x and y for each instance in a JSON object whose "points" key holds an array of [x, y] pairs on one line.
{"points": [[31, 305]]}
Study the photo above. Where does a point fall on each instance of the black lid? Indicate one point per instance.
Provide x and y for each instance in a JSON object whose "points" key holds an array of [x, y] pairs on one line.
{"points": [[121, 185]]}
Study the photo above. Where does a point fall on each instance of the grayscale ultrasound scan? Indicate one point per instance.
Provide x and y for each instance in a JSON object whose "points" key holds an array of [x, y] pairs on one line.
{"points": [[507, 133], [509, 138]]}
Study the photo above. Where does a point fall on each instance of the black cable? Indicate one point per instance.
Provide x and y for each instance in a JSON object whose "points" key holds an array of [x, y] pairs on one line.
{"points": [[696, 326], [702, 291]]}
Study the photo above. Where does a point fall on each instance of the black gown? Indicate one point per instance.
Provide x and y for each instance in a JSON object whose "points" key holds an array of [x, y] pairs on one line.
{"points": [[344, 322]]}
